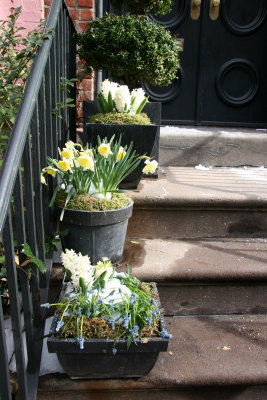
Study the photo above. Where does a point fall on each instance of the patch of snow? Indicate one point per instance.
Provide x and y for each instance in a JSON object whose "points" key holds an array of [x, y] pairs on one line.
{"points": [[202, 167]]}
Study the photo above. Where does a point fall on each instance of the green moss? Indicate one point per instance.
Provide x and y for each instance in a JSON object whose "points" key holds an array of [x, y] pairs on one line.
{"points": [[99, 328], [121, 118], [86, 203]]}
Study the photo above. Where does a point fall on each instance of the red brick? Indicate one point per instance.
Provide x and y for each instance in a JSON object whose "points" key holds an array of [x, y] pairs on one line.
{"points": [[86, 3], [84, 95], [83, 25], [86, 15], [86, 84], [71, 3], [46, 11], [74, 14], [47, 2]]}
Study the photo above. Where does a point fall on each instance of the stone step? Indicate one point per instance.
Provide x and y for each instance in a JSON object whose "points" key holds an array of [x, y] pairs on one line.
{"points": [[234, 147], [219, 358], [202, 277], [195, 203]]}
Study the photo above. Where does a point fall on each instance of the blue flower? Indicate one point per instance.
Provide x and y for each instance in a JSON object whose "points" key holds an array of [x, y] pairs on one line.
{"points": [[98, 288], [80, 340], [126, 321], [151, 301], [89, 291], [111, 293], [165, 335], [114, 351], [88, 314], [134, 330], [133, 298], [95, 307], [59, 325], [112, 323], [79, 312], [148, 321], [155, 312], [111, 305], [46, 305], [100, 301]]}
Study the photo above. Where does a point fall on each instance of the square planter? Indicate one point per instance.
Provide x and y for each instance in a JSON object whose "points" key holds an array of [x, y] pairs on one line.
{"points": [[145, 137], [96, 360]]}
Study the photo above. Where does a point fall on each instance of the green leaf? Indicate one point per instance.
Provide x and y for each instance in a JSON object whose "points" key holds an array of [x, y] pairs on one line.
{"points": [[27, 250], [39, 264]]}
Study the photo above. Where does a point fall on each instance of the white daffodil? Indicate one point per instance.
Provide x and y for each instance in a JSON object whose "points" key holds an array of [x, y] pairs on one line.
{"points": [[150, 167]]}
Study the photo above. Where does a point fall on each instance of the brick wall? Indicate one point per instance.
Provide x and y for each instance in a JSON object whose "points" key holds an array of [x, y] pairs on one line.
{"points": [[81, 12]]}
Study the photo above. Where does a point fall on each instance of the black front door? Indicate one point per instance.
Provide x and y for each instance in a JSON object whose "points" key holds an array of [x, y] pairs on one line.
{"points": [[223, 74]]}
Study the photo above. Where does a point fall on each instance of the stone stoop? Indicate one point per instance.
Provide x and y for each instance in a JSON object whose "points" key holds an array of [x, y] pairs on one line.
{"points": [[195, 203], [218, 357], [186, 146], [203, 277], [201, 235]]}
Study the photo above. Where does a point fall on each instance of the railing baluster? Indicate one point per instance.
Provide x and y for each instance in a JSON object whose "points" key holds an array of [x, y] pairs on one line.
{"points": [[31, 231], [37, 187], [54, 96], [4, 370], [14, 306], [23, 274], [43, 131]]}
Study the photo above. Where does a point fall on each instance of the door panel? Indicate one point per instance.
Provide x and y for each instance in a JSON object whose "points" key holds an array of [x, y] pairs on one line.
{"points": [[233, 65], [179, 98]]}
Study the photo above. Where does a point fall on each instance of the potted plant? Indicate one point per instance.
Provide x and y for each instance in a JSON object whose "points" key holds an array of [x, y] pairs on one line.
{"points": [[133, 49], [107, 324], [121, 115], [88, 201]]}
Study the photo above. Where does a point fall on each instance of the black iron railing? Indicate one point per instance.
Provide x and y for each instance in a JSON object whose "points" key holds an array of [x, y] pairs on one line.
{"points": [[24, 201]]}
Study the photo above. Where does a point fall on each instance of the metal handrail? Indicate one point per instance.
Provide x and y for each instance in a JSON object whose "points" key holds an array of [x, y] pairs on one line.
{"points": [[24, 204], [19, 132]]}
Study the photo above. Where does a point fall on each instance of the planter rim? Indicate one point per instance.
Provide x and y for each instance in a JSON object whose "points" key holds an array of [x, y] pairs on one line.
{"points": [[92, 218], [95, 212], [116, 125]]}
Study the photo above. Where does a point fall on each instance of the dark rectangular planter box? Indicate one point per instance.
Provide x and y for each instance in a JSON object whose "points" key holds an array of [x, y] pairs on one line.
{"points": [[142, 136], [96, 360], [153, 110]]}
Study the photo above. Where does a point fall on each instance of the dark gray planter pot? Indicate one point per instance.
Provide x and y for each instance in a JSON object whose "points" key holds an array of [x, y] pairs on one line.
{"points": [[142, 136], [96, 360], [96, 233], [153, 110]]}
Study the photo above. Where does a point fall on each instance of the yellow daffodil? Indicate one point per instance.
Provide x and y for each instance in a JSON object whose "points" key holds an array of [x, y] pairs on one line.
{"points": [[67, 153], [64, 165], [104, 150], [51, 171], [86, 162], [121, 154], [69, 145], [150, 167], [43, 181]]}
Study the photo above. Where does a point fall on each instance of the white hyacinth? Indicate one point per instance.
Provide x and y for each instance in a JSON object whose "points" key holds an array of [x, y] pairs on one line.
{"points": [[79, 267], [139, 96], [107, 87], [122, 98]]}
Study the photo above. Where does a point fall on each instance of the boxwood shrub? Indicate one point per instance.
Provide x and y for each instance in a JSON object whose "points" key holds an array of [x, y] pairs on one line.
{"points": [[156, 7], [133, 48]]}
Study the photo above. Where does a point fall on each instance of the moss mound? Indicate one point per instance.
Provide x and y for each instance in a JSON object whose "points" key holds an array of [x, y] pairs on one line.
{"points": [[86, 203], [120, 119]]}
